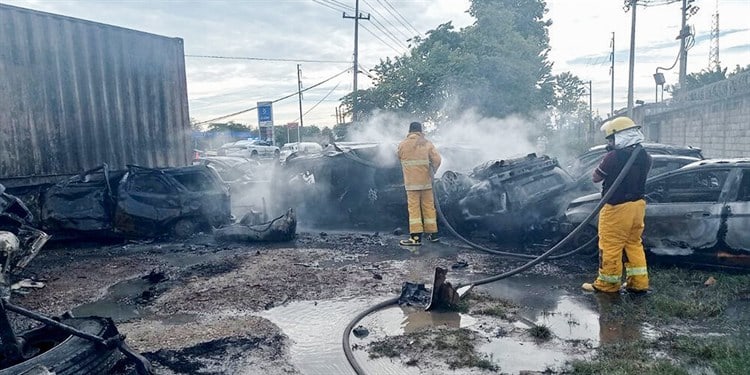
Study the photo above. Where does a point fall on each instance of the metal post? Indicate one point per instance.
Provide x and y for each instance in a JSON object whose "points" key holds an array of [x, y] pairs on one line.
{"points": [[591, 113], [683, 53], [633, 6], [299, 83], [356, 17]]}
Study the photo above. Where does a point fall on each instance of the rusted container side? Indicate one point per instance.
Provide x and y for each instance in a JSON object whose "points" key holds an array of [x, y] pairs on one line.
{"points": [[75, 94]]}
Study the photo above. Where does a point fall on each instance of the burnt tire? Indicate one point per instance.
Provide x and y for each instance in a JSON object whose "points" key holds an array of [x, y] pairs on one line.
{"points": [[63, 354], [185, 228]]}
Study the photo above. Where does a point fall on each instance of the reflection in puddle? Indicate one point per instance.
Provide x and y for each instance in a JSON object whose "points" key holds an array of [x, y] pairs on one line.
{"points": [[513, 356], [315, 330], [118, 303]]}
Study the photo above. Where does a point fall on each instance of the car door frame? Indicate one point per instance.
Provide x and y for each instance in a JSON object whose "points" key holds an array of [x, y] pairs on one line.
{"points": [[684, 228]]}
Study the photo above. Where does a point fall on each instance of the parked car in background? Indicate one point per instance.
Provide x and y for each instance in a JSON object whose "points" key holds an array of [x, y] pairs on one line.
{"points": [[698, 214], [236, 171], [254, 149], [665, 158], [299, 148]]}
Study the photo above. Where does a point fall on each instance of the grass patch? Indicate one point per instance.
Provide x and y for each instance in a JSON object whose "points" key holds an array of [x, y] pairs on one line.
{"points": [[498, 311], [456, 347], [723, 355], [632, 358], [680, 293]]}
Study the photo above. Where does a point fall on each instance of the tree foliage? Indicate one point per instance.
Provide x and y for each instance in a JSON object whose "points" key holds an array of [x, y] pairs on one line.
{"points": [[498, 66]]}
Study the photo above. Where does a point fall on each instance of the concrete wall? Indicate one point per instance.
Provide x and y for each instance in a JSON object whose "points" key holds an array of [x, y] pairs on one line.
{"points": [[715, 118]]}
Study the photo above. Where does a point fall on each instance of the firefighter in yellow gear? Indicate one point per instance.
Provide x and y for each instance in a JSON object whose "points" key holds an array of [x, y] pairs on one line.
{"points": [[419, 161], [621, 219]]}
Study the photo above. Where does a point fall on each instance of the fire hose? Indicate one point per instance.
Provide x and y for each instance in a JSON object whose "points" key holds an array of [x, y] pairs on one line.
{"points": [[564, 242]]}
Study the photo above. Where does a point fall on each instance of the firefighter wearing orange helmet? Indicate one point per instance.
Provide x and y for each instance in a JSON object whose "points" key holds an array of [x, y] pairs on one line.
{"points": [[621, 220]]}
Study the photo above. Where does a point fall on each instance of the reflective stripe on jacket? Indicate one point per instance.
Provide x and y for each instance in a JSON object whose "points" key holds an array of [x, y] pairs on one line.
{"points": [[417, 154]]}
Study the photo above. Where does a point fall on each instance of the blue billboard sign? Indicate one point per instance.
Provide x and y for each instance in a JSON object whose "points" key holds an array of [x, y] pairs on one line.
{"points": [[265, 114]]}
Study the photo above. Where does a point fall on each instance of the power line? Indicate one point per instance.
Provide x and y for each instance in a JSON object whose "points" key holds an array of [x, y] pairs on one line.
{"points": [[381, 40], [320, 101], [327, 5], [397, 13], [387, 33], [386, 20], [340, 4], [273, 101], [267, 59]]}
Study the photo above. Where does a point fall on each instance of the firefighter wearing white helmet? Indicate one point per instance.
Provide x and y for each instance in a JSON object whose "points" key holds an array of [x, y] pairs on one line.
{"points": [[621, 219]]}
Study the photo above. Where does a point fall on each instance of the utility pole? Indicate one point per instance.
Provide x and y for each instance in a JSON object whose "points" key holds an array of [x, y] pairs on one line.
{"points": [[632, 7], [612, 74], [591, 113], [299, 87], [357, 16], [683, 53]]}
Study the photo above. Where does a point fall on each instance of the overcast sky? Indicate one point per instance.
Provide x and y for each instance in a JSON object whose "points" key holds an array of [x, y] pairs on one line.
{"points": [[314, 34]]}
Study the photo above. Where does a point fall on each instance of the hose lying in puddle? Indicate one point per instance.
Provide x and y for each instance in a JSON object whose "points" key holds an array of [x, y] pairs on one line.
{"points": [[536, 259]]}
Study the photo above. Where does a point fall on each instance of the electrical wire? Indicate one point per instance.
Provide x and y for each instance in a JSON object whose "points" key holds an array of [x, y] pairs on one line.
{"points": [[273, 101], [387, 20], [381, 39], [269, 59], [398, 14], [319, 101]]}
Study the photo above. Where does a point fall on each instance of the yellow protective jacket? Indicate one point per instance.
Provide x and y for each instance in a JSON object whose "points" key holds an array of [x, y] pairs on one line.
{"points": [[417, 155]]}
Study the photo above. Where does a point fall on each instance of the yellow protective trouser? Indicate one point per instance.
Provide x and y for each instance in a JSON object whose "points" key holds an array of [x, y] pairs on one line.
{"points": [[621, 227], [422, 217]]}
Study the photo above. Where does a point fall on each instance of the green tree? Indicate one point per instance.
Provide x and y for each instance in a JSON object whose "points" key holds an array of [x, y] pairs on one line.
{"points": [[498, 66]]}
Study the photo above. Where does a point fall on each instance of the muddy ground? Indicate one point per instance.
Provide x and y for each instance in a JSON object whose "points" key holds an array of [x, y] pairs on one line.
{"points": [[200, 307]]}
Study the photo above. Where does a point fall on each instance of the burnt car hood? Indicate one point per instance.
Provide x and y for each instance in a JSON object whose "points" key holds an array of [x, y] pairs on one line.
{"points": [[506, 197]]}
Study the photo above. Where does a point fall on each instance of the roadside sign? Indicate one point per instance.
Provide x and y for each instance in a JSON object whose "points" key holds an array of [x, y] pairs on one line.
{"points": [[265, 119], [265, 114]]}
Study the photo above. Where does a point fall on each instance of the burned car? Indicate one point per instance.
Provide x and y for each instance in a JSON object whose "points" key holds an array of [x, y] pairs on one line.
{"points": [[510, 199], [665, 158], [346, 183], [698, 214], [136, 202]]}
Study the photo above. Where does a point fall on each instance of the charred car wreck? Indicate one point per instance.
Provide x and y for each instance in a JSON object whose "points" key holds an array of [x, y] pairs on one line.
{"points": [[141, 202], [65, 344], [698, 214], [358, 184], [506, 198]]}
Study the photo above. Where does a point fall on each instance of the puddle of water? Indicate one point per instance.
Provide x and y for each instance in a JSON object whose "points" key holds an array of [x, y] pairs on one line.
{"points": [[514, 356], [580, 317], [118, 302], [315, 329]]}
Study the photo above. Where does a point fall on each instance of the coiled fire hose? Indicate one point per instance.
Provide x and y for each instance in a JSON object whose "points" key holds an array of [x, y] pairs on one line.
{"points": [[347, 331]]}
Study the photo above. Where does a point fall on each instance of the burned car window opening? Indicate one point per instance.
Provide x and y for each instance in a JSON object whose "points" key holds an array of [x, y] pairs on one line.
{"points": [[149, 184], [697, 186], [195, 182]]}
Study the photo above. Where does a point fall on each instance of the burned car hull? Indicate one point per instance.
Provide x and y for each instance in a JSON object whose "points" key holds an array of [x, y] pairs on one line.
{"points": [[510, 199], [139, 202], [699, 214]]}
